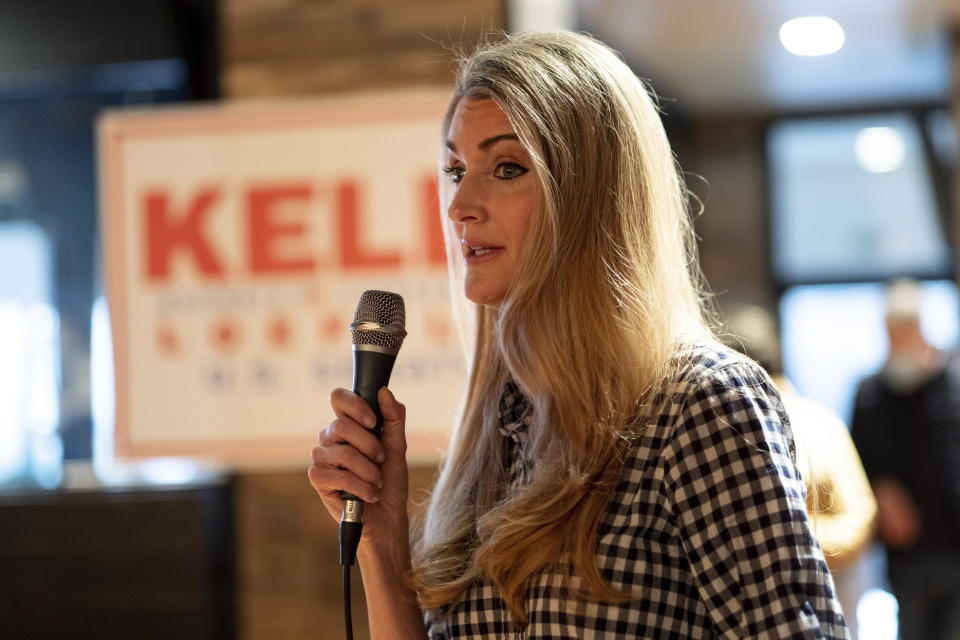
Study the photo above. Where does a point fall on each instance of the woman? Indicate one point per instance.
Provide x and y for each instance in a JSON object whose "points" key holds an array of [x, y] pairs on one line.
{"points": [[615, 472]]}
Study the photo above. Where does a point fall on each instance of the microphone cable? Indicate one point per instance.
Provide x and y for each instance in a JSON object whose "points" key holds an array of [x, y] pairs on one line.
{"points": [[347, 614], [351, 526]]}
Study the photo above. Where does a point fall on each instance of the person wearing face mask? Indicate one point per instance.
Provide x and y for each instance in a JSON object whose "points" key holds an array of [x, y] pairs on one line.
{"points": [[906, 426], [615, 471]]}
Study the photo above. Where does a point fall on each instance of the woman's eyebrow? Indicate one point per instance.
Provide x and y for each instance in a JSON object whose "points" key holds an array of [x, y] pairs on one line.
{"points": [[488, 142]]}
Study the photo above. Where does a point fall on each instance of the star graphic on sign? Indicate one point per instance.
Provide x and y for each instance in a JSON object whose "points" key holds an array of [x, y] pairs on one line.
{"points": [[225, 334], [168, 342], [333, 328], [279, 331]]}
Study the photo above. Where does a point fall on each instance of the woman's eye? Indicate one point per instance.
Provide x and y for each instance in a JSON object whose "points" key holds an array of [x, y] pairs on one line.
{"points": [[509, 171], [455, 173]]}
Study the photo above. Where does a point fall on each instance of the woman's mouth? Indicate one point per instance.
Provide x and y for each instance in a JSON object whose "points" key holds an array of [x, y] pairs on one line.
{"points": [[474, 252]]}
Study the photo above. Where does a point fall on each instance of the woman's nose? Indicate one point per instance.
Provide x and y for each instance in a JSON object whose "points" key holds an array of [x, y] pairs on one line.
{"points": [[469, 203]]}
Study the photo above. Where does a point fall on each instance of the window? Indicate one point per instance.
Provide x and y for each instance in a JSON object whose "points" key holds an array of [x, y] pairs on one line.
{"points": [[29, 399], [855, 201], [48, 254]]}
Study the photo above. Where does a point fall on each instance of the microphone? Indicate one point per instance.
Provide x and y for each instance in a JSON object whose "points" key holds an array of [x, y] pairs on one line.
{"points": [[377, 332]]}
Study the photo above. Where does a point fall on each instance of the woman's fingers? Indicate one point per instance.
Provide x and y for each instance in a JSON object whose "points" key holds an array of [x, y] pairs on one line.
{"points": [[394, 413], [347, 403], [348, 455], [343, 456], [330, 481], [345, 430], [349, 458]]}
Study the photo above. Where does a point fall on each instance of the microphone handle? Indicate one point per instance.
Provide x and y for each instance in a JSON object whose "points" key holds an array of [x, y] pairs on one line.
{"points": [[371, 370]]}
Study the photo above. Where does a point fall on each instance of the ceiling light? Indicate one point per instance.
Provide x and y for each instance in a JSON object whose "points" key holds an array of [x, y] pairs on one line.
{"points": [[879, 149], [811, 36]]}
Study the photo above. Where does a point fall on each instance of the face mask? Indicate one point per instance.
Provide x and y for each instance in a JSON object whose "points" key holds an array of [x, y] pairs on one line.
{"points": [[903, 373]]}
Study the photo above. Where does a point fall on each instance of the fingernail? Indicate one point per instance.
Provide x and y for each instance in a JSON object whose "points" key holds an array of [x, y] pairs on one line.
{"points": [[375, 498], [370, 421], [381, 457]]}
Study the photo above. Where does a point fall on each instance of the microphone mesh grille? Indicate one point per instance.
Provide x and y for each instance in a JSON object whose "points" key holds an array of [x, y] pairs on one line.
{"points": [[384, 308]]}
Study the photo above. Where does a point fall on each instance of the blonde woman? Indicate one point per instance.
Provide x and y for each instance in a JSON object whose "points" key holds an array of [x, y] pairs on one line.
{"points": [[615, 472]]}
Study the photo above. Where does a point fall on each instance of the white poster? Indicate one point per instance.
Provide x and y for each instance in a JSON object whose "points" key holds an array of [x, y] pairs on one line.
{"points": [[237, 242]]}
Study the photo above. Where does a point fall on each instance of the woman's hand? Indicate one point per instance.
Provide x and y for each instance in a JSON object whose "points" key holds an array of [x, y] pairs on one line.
{"points": [[349, 458]]}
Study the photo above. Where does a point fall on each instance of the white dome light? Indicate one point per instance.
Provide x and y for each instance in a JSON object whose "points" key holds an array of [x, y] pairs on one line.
{"points": [[879, 149], [812, 36]]}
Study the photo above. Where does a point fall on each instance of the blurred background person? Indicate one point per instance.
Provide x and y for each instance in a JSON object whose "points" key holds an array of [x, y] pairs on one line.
{"points": [[839, 498], [906, 424]]}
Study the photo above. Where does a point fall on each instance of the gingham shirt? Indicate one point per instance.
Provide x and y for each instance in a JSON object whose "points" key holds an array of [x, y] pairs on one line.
{"points": [[708, 524]]}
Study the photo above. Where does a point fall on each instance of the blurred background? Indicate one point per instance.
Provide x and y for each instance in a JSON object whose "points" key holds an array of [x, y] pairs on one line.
{"points": [[820, 178]]}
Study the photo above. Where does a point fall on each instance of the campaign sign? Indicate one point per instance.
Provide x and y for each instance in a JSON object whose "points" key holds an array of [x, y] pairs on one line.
{"points": [[237, 241]]}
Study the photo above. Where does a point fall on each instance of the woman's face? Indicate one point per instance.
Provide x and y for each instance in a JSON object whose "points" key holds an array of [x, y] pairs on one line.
{"points": [[495, 197]]}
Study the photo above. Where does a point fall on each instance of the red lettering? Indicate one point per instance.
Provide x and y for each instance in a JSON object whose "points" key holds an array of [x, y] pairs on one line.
{"points": [[267, 228], [168, 233], [433, 225], [352, 254]]}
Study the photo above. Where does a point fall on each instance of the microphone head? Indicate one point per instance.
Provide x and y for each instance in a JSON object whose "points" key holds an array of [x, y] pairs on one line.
{"points": [[378, 324]]}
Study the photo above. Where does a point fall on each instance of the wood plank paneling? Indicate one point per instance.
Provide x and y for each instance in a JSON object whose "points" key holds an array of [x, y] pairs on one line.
{"points": [[111, 563], [288, 574], [299, 47]]}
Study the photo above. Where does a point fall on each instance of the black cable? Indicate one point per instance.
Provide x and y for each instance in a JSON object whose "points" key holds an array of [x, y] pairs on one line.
{"points": [[351, 526], [347, 614]]}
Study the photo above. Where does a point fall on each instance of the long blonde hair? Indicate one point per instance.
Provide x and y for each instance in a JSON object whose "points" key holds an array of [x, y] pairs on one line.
{"points": [[605, 293]]}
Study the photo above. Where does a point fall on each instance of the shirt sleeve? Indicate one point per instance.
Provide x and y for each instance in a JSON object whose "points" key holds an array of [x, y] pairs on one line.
{"points": [[739, 503]]}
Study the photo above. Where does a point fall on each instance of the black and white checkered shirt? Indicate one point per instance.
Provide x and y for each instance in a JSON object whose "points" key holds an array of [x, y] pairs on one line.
{"points": [[708, 524]]}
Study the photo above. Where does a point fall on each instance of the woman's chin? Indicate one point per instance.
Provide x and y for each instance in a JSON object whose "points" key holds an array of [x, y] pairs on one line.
{"points": [[485, 298]]}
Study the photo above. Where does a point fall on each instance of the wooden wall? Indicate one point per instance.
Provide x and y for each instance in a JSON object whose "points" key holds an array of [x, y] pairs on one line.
{"points": [[723, 160], [308, 47], [288, 577], [150, 563]]}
